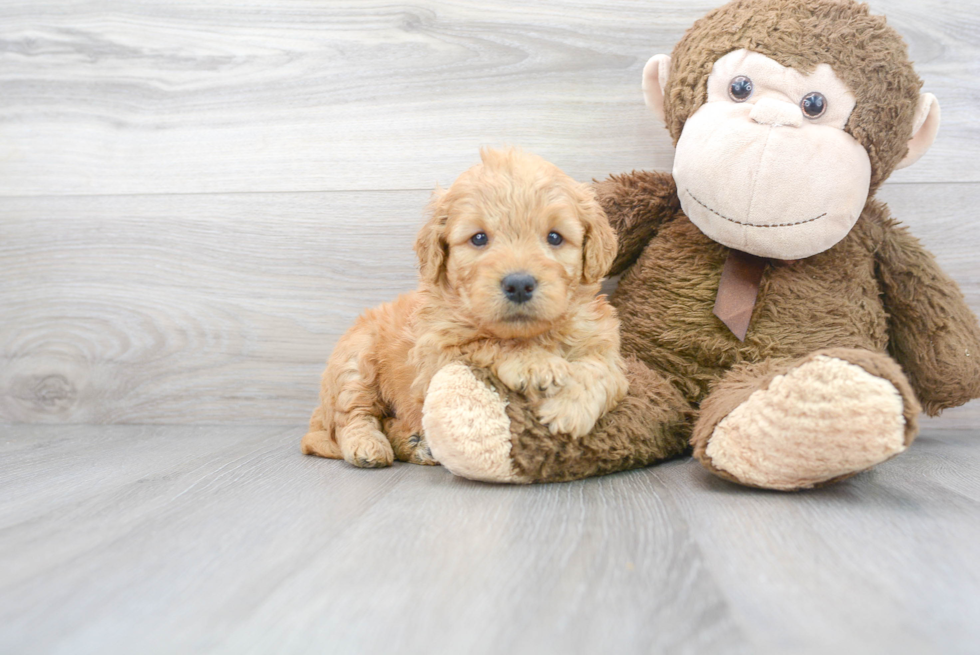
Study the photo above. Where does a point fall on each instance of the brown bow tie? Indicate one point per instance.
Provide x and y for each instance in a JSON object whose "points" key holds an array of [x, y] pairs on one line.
{"points": [[738, 290]]}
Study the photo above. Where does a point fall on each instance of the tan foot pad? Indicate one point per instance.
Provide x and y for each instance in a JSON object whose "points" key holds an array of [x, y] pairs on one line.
{"points": [[467, 426], [824, 419]]}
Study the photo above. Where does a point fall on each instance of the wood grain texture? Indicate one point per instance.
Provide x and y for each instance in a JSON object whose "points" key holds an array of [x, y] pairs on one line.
{"points": [[869, 562], [126, 97], [222, 309], [124, 539], [196, 200], [192, 308]]}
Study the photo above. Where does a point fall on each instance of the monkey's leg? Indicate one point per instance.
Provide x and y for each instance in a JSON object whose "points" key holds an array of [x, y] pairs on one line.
{"points": [[480, 429], [794, 424]]}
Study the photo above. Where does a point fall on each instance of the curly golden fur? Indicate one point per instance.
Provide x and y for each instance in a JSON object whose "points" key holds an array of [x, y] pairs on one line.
{"points": [[559, 347]]}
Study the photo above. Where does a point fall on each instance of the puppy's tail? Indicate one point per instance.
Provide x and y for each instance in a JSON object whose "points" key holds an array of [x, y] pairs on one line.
{"points": [[320, 439]]}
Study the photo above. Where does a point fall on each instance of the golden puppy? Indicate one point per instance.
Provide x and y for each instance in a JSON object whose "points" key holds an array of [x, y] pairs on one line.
{"points": [[510, 266]]}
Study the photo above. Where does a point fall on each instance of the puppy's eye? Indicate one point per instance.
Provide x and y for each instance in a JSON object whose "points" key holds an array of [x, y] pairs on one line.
{"points": [[740, 88], [479, 239], [555, 239]]}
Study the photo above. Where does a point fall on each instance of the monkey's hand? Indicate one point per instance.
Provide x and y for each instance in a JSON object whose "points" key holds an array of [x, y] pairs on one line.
{"points": [[932, 331]]}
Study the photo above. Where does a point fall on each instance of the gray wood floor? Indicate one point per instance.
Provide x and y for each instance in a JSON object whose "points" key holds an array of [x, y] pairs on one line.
{"points": [[180, 539]]}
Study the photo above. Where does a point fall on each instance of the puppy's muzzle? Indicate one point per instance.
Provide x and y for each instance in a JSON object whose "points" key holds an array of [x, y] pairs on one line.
{"points": [[518, 287]]}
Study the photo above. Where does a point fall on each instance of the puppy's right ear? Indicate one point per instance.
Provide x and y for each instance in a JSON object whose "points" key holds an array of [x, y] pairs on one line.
{"points": [[430, 244], [599, 248]]}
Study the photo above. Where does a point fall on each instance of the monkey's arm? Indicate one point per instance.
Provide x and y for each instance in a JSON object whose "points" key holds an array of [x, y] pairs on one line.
{"points": [[933, 334], [637, 204]]}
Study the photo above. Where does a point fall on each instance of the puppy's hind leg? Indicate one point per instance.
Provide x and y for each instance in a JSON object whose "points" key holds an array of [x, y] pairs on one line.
{"points": [[320, 440], [358, 410], [350, 407]]}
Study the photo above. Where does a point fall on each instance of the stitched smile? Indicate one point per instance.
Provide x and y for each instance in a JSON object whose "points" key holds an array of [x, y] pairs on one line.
{"points": [[732, 220]]}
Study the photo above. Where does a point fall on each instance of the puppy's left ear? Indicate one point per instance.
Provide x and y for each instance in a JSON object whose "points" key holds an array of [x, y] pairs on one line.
{"points": [[599, 246], [430, 244]]}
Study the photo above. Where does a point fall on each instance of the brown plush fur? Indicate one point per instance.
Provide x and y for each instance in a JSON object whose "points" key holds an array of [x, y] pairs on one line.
{"points": [[878, 290], [876, 293], [560, 348], [874, 296], [932, 332], [650, 425]]}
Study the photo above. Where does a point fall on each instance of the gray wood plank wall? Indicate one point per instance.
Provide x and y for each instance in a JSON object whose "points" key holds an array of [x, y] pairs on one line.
{"points": [[196, 199]]}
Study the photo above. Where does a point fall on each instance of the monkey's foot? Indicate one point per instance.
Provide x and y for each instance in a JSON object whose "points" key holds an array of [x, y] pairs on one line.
{"points": [[821, 420]]}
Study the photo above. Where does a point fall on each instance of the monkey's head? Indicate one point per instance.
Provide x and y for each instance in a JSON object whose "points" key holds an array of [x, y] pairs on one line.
{"points": [[787, 115]]}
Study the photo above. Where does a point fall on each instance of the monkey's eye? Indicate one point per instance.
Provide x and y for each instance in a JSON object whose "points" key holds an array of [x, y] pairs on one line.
{"points": [[740, 88], [555, 239], [814, 105], [479, 239]]}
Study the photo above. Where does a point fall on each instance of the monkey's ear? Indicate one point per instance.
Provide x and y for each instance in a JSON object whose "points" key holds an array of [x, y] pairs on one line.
{"points": [[430, 244], [924, 129], [599, 245], [655, 75]]}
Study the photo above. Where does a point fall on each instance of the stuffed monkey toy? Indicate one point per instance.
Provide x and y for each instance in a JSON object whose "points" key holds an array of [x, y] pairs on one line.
{"points": [[779, 323]]}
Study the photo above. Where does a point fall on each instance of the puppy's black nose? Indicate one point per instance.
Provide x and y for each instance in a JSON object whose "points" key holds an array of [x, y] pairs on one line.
{"points": [[518, 287]]}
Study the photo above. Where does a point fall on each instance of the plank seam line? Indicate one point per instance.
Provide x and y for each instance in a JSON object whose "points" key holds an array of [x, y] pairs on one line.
{"points": [[178, 194]]}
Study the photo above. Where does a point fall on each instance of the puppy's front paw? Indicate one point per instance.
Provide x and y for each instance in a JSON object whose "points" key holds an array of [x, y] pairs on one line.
{"points": [[568, 413], [539, 379], [547, 378]]}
